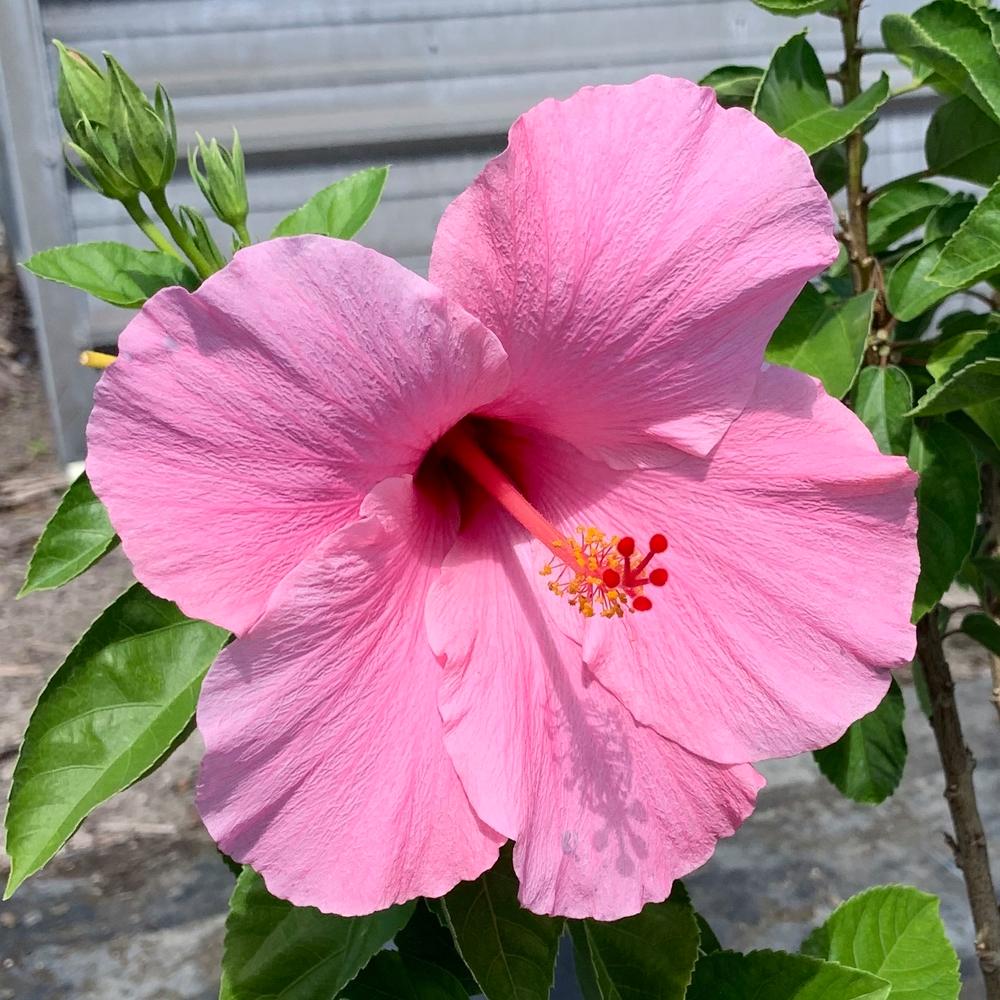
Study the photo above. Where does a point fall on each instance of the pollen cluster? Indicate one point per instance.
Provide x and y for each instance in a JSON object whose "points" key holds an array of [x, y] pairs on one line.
{"points": [[602, 575]]}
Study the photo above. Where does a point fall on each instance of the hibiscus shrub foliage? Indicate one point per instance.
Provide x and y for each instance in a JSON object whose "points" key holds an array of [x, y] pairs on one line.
{"points": [[902, 327]]}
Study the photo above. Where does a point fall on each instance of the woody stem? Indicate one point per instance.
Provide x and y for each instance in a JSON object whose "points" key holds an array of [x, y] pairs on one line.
{"points": [[862, 264], [971, 852]]}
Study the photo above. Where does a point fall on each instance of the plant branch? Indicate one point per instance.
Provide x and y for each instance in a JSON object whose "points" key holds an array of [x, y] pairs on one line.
{"points": [[862, 262], [971, 852], [152, 231], [181, 237], [991, 547]]}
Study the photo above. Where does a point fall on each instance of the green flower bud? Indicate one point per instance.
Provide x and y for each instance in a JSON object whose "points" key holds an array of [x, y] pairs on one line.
{"points": [[220, 175], [123, 144], [145, 134], [84, 98], [83, 90], [195, 226]]}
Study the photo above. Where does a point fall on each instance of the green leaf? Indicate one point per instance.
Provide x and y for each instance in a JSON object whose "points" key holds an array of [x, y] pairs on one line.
{"points": [[963, 141], [968, 576], [824, 339], [973, 253], [947, 508], [651, 955], [583, 962], [975, 384], [708, 942], [971, 381], [953, 354], [76, 536], [883, 400], [734, 85], [830, 167], [510, 951], [989, 570], [899, 210], [955, 41], [776, 975], [391, 976], [964, 320], [339, 210], [866, 763], [274, 949], [113, 272], [794, 99], [987, 448], [109, 713], [896, 933], [987, 416], [984, 630], [947, 218], [795, 8], [427, 939], [948, 354], [909, 291]]}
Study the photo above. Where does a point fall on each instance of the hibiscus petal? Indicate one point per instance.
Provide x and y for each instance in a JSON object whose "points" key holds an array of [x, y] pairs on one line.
{"points": [[325, 767], [792, 566], [634, 247], [243, 423], [606, 813]]}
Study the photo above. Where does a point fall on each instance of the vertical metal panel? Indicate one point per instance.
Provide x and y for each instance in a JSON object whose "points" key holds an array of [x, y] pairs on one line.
{"points": [[321, 87], [37, 215]]}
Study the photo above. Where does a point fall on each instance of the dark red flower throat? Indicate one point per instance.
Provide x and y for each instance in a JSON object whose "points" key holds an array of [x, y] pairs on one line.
{"points": [[597, 573]]}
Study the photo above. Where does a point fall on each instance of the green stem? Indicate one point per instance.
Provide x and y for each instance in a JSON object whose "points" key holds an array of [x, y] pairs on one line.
{"points": [[181, 236], [146, 224], [244, 234]]}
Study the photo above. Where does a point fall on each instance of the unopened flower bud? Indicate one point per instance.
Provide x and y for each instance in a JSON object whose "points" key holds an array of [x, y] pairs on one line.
{"points": [[123, 144], [83, 90], [145, 134], [84, 106], [220, 174]]}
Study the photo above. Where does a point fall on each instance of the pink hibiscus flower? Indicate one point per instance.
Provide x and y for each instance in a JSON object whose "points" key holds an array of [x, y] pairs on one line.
{"points": [[436, 516]]}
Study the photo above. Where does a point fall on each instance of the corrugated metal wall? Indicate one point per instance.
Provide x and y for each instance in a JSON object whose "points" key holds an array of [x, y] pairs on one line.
{"points": [[318, 89]]}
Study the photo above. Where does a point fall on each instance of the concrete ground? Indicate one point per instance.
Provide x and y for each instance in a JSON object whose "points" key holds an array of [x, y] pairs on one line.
{"points": [[134, 905]]}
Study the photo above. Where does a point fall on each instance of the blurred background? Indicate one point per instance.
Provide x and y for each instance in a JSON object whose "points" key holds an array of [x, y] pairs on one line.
{"points": [[319, 88]]}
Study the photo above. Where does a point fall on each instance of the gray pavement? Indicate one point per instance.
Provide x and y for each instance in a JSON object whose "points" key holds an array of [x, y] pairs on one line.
{"points": [[142, 918], [133, 908]]}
